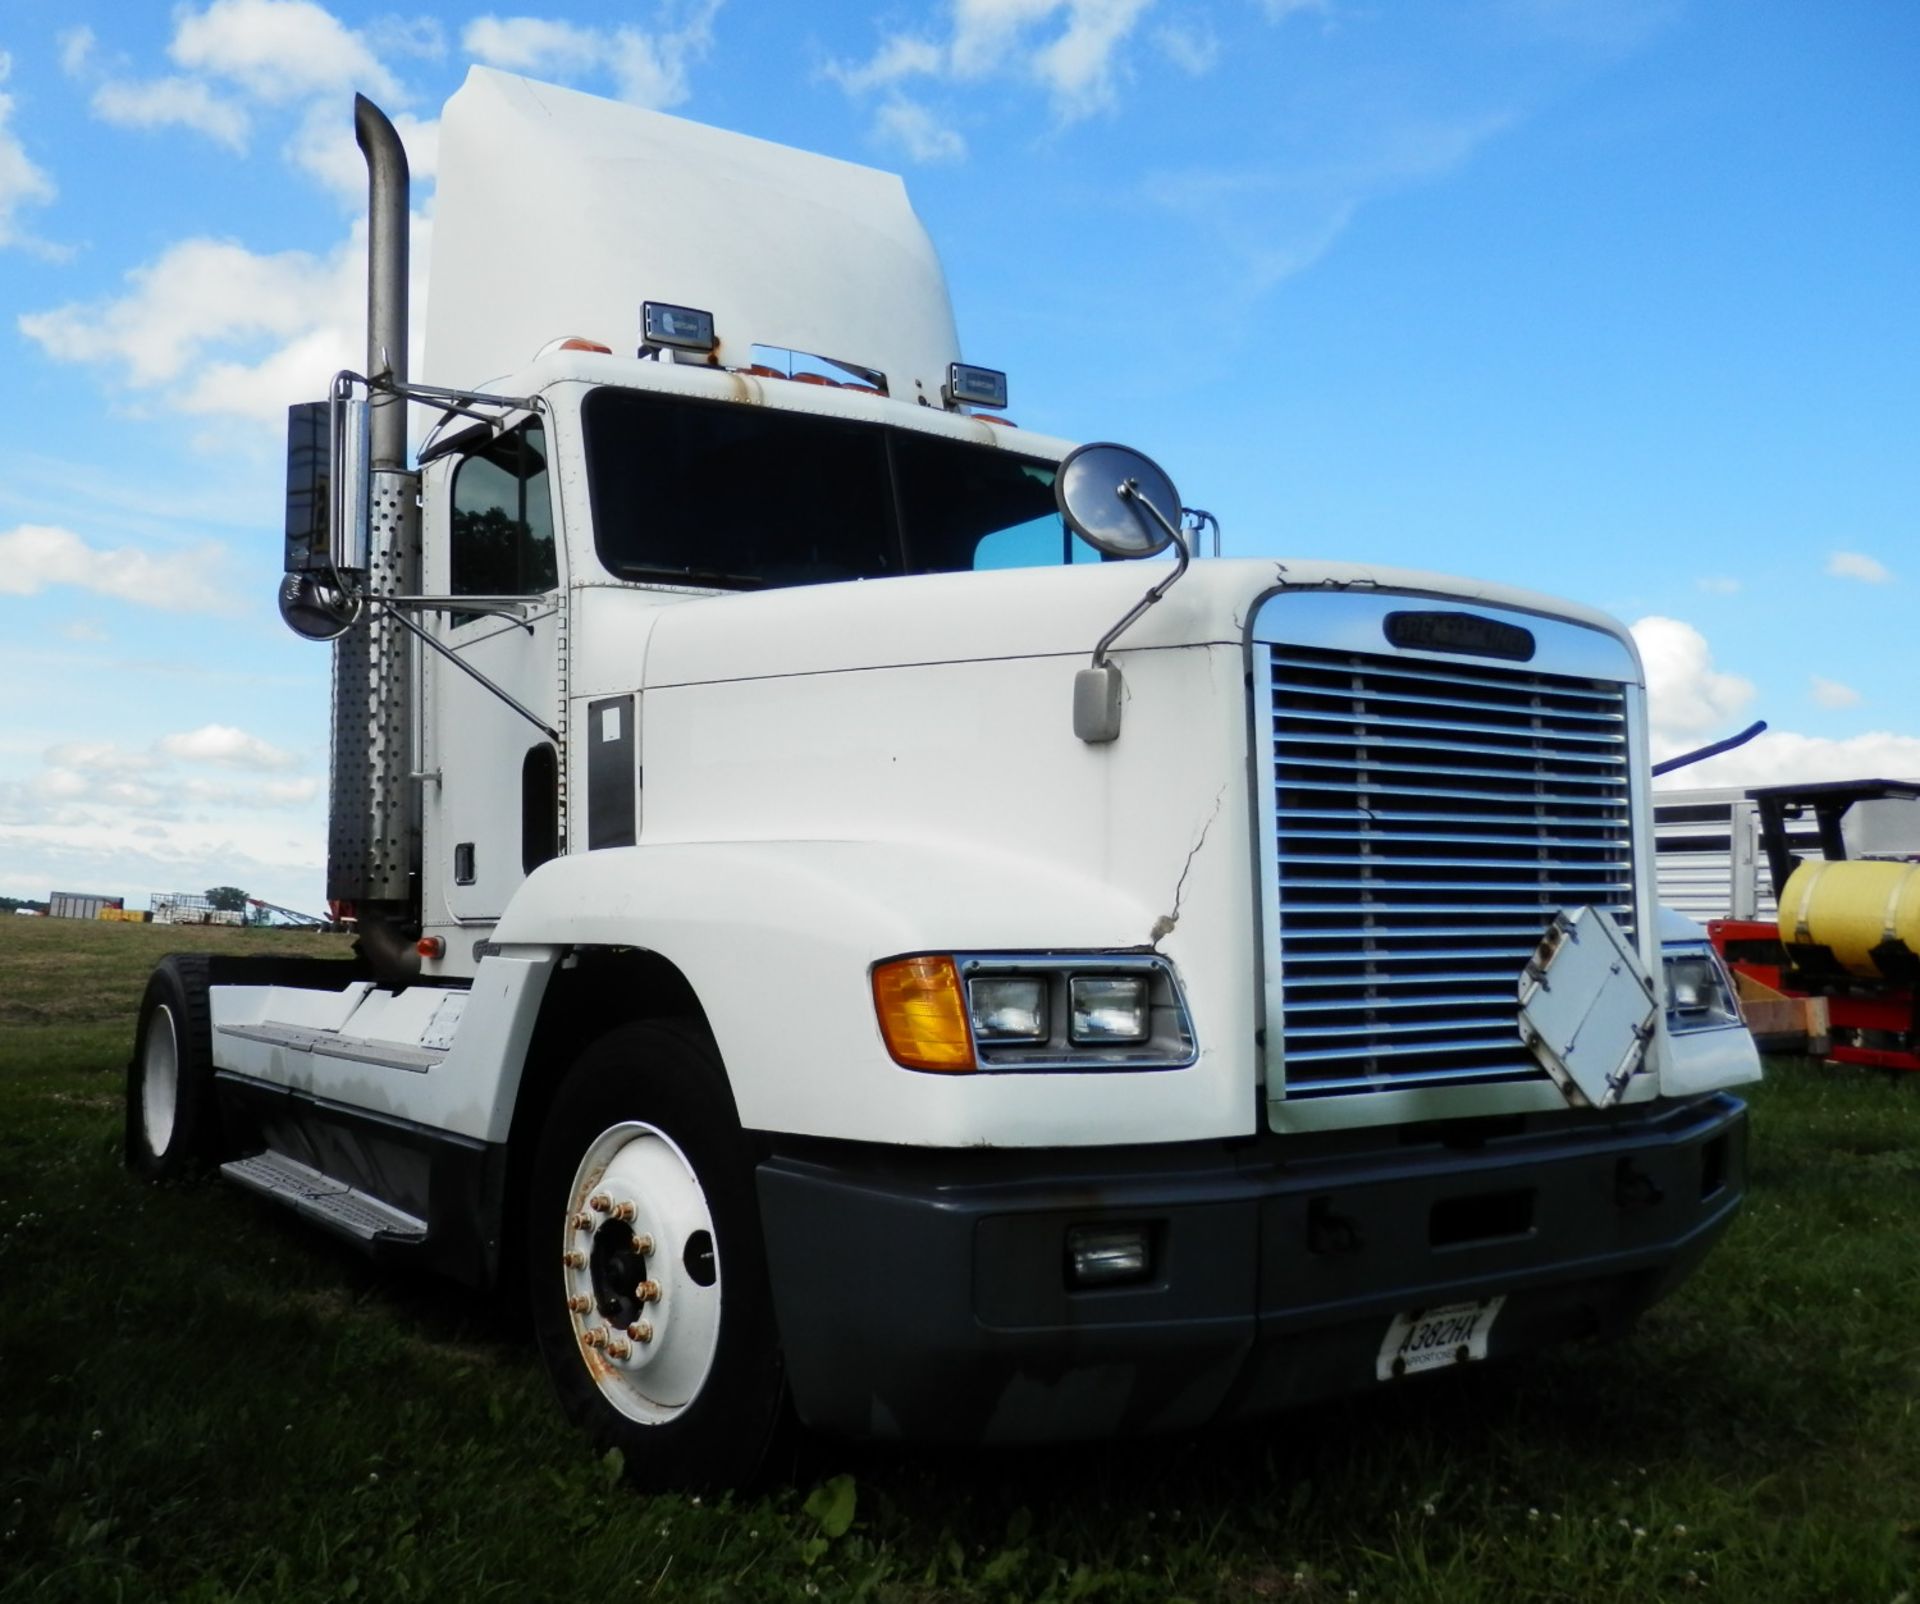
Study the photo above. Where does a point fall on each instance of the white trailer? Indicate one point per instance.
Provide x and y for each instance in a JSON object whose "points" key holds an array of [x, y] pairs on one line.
{"points": [[852, 946]]}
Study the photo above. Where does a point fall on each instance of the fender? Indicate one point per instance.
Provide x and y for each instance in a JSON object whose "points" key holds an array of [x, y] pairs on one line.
{"points": [[773, 933]]}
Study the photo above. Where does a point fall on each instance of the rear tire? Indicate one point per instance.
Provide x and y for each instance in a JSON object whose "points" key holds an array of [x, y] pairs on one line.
{"points": [[172, 1124], [646, 1269]]}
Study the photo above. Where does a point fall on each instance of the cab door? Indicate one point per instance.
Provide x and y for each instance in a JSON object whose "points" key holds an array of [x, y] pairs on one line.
{"points": [[490, 783]]}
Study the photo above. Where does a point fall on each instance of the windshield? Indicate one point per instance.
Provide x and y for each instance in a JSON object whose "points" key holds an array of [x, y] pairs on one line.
{"points": [[726, 496]]}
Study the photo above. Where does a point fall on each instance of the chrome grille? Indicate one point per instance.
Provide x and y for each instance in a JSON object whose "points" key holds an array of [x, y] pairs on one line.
{"points": [[1429, 821]]}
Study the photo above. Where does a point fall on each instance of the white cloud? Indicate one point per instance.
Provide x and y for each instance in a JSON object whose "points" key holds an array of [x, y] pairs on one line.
{"points": [[1718, 584], [1689, 701], [1831, 693], [901, 56], [22, 183], [647, 68], [324, 146], [278, 50], [406, 36], [85, 631], [236, 333], [1275, 221], [1687, 696], [1280, 10], [532, 44], [914, 129], [36, 556], [133, 849], [650, 69], [1081, 65], [1193, 47], [132, 822], [172, 102], [1857, 565], [1073, 49], [1782, 757], [230, 747], [290, 792], [76, 50], [99, 757], [198, 293]]}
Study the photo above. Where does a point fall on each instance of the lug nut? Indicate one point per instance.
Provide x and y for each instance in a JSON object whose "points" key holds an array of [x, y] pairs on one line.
{"points": [[643, 1245], [619, 1348], [594, 1337], [641, 1331], [624, 1211], [574, 1259], [583, 1222], [579, 1303], [648, 1292], [599, 1202]]}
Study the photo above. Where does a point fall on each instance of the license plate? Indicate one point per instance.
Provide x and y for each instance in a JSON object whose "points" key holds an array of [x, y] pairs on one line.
{"points": [[1431, 1339]]}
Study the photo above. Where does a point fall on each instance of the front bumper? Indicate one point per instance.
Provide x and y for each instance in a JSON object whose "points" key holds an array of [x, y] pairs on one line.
{"points": [[923, 1294]]}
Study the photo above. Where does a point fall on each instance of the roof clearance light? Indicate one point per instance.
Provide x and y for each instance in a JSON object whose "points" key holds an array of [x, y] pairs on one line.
{"points": [[678, 326], [977, 387]]}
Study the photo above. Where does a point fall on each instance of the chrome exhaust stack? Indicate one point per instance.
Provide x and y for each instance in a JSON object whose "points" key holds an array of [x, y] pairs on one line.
{"points": [[373, 840]]}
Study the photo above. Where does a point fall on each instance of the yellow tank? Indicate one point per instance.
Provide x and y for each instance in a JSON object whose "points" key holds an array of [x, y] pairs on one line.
{"points": [[1850, 908]]}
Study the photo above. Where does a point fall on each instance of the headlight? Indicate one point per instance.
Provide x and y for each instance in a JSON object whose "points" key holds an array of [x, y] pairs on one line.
{"points": [[1108, 1008], [1699, 996], [1033, 1011], [1007, 1008]]}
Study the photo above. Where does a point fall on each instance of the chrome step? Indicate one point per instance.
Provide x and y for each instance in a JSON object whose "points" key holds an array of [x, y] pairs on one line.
{"points": [[324, 1200]]}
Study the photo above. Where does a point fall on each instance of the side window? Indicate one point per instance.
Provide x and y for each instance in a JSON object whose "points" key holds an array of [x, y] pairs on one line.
{"points": [[502, 535]]}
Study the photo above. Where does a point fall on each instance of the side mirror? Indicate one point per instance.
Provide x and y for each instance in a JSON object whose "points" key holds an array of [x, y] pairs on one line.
{"points": [[327, 515], [1120, 503], [309, 488]]}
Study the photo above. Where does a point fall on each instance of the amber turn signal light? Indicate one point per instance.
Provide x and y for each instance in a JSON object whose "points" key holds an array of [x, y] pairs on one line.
{"points": [[923, 1014]]}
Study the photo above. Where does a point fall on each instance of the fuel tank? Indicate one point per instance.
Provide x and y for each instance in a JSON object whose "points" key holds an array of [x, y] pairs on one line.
{"points": [[1854, 909]]}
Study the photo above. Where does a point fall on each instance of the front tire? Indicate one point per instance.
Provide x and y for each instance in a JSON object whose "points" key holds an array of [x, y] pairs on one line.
{"points": [[645, 1263], [172, 1124]]}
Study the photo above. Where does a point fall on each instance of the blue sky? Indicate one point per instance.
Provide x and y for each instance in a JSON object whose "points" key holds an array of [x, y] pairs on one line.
{"points": [[1610, 298]]}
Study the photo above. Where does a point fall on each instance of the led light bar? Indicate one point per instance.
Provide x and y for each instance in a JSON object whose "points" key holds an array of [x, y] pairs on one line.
{"points": [[975, 387], [680, 327]]}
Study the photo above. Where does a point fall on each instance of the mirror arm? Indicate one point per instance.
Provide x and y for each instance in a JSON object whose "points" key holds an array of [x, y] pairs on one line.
{"points": [[471, 672], [1131, 490], [1096, 690]]}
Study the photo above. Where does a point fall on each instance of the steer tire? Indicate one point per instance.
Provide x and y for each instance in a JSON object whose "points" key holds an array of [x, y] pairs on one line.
{"points": [[172, 1122], [643, 1181]]}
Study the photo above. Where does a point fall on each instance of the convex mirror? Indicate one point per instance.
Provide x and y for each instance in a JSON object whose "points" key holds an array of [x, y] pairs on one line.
{"points": [[315, 609], [1100, 489]]}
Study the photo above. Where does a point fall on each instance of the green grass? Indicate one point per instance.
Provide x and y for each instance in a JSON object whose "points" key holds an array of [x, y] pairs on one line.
{"points": [[200, 1399]]}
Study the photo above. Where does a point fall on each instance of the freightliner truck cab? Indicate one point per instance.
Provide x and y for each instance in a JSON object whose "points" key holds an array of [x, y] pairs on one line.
{"points": [[850, 944]]}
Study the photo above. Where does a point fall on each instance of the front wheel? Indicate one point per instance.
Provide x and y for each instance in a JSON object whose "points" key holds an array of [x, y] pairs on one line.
{"points": [[645, 1262]]}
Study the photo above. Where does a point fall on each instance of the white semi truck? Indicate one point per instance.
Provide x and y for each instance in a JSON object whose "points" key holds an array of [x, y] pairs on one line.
{"points": [[855, 947]]}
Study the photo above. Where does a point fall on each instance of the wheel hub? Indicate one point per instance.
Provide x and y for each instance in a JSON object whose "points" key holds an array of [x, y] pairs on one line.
{"points": [[617, 1267]]}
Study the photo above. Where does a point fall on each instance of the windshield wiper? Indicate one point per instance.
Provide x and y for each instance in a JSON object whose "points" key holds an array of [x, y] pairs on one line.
{"points": [[711, 579]]}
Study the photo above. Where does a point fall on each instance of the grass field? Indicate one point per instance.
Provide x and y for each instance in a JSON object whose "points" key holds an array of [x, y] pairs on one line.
{"points": [[201, 1399]]}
